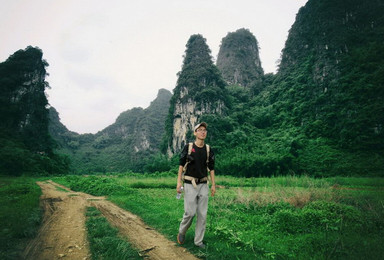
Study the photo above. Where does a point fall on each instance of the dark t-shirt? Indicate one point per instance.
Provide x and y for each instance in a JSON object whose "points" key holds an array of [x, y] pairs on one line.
{"points": [[197, 166]]}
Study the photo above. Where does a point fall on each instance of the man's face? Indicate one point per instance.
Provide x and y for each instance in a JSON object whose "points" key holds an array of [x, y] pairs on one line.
{"points": [[201, 133]]}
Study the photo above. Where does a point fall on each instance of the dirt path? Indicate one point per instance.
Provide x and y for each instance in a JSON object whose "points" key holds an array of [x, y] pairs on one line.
{"points": [[63, 235]]}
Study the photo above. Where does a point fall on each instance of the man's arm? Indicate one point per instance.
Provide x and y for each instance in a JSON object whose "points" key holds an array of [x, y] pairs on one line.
{"points": [[213, 184], [179, 180], [182, 162]]}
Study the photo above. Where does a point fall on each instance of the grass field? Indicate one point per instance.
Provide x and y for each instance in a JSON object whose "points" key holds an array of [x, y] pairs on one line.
{"points": [[265, 218], [20, 214]]}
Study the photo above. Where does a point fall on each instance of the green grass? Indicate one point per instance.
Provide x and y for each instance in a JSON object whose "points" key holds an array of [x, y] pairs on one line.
{"points": [[293, 217], [263, 218], [104, 240], [60, 189], [20, 214]]}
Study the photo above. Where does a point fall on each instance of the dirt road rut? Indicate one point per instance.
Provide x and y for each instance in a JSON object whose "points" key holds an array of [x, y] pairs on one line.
{"points": [[63, 234]]}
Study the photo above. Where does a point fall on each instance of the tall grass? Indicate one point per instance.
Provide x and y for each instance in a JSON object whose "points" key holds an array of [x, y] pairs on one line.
{"points": [[295, 196], [20, 214]]}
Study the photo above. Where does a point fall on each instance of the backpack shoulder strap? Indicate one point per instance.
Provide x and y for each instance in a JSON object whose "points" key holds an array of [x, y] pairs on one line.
{"points": [[190, 145], [208, 150]]}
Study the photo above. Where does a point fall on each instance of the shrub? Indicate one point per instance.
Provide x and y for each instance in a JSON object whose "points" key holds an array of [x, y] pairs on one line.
{"points": [[287, 220], [94, 185]]}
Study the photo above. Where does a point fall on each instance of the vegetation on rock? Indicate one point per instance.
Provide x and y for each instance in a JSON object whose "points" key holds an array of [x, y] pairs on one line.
{"points": [[26, 146], [239, 61]]}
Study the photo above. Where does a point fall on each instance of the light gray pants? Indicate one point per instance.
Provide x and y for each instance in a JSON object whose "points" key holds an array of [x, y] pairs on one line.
{"points": [[195, 201]]}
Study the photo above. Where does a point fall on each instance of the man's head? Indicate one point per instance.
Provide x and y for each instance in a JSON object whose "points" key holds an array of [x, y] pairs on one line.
{"points": [[200, 130]]}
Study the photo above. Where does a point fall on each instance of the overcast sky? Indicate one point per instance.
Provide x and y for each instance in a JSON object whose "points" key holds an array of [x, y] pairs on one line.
{"points": [[108, 56]]}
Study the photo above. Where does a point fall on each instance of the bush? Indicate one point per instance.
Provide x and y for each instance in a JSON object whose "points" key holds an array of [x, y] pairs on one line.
{"points": [[287, 220], [332, 215], [316, 216], [94, 185]]}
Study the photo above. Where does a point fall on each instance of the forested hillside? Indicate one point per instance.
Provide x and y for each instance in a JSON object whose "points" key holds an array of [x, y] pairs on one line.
{"points": [[26, 146], [323, 112], [336, 63]]}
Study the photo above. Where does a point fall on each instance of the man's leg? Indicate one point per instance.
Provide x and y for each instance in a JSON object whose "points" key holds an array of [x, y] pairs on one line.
{"points": [[190, 197], [202, 208]]}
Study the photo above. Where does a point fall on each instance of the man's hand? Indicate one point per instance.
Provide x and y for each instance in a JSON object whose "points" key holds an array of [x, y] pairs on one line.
{"points": [[178, 187], [213, 190]]}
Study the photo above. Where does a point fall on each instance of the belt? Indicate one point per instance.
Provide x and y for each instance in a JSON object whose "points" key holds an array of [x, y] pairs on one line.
{"points": [[195, 181]]}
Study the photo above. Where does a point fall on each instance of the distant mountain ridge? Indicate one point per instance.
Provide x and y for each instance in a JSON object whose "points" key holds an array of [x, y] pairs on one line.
{"points": [[136, 134]]}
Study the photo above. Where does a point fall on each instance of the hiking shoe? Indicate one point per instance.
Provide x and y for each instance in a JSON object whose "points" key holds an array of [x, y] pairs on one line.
{"points": [[180, 239], [201, 246]]}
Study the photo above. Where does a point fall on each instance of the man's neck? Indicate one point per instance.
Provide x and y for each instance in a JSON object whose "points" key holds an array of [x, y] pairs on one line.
{"points": [[199, 143]]}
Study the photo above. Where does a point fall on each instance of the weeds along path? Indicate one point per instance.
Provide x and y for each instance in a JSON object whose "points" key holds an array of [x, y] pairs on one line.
{"points": [[63, 231]]}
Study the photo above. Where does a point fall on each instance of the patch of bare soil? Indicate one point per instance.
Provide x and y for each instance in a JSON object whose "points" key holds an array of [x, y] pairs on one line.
{"points": [[63, 234]]}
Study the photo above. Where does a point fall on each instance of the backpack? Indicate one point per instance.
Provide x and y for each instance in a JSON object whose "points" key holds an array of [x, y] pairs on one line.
{"points": [[190, 145]]}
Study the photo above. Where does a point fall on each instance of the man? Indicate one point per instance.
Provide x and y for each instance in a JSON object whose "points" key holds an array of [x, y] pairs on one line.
{"points": [[195, 184]]}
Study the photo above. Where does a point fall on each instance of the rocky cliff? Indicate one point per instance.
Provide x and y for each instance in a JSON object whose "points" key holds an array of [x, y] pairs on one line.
{"points": [[24, 110], [25, 144], [200, 91], [239, 61]]}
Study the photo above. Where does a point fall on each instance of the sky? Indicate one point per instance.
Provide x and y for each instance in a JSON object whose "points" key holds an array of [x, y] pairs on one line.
{"points": [[108, 56]]}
